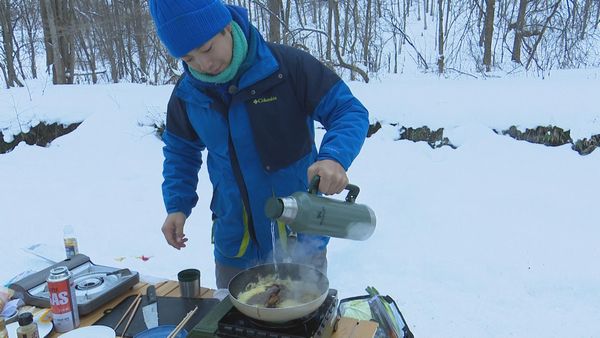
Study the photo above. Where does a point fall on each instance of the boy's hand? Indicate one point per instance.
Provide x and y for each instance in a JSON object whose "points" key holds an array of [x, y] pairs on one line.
{"points": [[333, 176], [173, 230]]}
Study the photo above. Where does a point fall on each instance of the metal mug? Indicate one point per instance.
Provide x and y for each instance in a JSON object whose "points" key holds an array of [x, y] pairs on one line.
{"points": [[189, 283]]}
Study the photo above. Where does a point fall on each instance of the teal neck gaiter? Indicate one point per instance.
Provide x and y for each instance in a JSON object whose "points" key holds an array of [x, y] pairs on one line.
{"points": [[240, 49]]}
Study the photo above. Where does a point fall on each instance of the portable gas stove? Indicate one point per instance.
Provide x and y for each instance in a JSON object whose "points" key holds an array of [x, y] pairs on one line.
{"points": [[233, 324], [94, 284]]}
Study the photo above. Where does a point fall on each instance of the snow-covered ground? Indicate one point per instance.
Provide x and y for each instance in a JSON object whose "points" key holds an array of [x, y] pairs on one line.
{"points": [[498, 238]]}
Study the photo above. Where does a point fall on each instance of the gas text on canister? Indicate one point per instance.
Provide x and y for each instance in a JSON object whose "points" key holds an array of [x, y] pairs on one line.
{"points": [[63, 302]]}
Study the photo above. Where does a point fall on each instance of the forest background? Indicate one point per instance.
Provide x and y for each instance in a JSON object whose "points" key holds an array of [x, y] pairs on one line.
{"points": [[103, 41]]}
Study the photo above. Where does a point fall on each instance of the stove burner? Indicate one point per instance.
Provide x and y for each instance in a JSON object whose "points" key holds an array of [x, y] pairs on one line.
{"points": [[88, 282]]}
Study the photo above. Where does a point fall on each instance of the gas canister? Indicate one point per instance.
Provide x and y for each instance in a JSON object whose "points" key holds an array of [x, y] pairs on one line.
{"points": [[63, 302]]}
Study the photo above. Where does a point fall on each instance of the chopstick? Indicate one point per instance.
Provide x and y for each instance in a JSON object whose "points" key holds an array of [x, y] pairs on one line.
{"points": [[181, 324], [137, 300], [137, 303]]}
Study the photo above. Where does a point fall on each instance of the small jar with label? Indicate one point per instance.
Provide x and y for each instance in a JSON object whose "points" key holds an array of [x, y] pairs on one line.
{"points": [[70, 240], [27, 327]]}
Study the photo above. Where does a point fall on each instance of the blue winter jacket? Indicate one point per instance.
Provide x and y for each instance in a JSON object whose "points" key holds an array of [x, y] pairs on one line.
{"points": [[259, 133]]}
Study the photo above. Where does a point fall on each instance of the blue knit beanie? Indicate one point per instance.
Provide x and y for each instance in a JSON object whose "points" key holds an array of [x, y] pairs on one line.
{"points": [[183, 25]]}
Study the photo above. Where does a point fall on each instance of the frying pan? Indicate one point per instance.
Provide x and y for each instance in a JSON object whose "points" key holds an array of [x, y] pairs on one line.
{"points": [[312, 281]]}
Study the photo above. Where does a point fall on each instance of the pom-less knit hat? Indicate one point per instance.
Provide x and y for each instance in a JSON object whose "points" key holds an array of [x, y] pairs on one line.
{"points": [[183, 25]]}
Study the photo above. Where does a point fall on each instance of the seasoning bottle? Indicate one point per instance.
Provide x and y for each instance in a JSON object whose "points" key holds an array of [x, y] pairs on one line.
{"points": [[71, 247], [27, 327], [307, 212], [3, 331]]}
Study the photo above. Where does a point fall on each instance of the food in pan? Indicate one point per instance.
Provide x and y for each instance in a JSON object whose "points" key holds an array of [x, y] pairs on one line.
{"points": [[272, 292]]}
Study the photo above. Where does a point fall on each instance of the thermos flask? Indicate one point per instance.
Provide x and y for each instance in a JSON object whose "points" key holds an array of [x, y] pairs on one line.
{"points": [[307, 212]]}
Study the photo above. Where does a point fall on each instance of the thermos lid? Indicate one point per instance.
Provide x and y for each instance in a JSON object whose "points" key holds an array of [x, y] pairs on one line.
{"points": [[25, 318], [274, 208]]}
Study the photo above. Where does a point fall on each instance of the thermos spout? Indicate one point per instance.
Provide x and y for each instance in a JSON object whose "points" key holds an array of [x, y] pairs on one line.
{"points": [[284, 209]]}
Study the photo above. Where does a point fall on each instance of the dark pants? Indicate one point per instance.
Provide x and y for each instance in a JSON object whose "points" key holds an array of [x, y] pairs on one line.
{"points": [[225, 273]]}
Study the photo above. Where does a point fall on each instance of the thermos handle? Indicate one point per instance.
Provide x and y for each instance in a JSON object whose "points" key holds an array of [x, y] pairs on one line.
{"points": [[353, 190]]}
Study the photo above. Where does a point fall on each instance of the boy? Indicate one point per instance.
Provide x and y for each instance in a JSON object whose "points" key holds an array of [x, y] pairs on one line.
{"points": [[252, 105]]}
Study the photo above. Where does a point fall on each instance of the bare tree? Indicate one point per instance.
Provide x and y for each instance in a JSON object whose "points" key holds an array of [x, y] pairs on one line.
{"points": [[140, 32], [586, 17], [57, 16], [440, 59], [597, 17], [275, 15], [6, 24], [541, 34], [519, 27], [367, 33], [489, 34], [30, 19]]}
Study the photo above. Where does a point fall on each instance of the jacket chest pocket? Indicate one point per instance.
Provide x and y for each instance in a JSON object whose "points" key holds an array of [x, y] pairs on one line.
{"points": [[279, 126]]}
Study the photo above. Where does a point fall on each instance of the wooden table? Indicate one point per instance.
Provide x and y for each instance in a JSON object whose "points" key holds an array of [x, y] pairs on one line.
{"points": [[346, 327], [163, 289]]}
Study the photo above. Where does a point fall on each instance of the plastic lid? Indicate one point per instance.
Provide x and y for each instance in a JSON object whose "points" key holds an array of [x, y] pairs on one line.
{"points": [[274, 208], [25, 318]]}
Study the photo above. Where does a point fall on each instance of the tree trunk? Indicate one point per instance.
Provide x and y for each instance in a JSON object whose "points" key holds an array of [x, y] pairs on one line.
{"points": [[575, 15], [30, 15], [367, 36], [425, 14], [330, 5], [516, 54], [480, 17], [275, 8], [489, 33], [586, 17], [65, 15], [597, 17], [286, 20], [47, 37], [346, 38], [7, 38], [336, 23], [140, 34], [440, 60], [59, 23], [539, 38], [117, 39]]}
